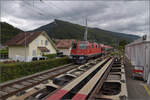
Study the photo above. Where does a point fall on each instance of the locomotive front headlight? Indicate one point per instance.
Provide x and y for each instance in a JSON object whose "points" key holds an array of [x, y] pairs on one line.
{"points": [[70, 57]]}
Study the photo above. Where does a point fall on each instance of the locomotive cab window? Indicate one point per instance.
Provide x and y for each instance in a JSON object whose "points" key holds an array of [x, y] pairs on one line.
{"points": [[83, 46], [74, 45]]}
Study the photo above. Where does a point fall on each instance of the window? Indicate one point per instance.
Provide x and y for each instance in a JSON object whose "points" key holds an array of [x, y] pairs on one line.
{"points": [[46, 42], [41, 42], [74, 45], [34, 53], [36, 42], [83, 46]]}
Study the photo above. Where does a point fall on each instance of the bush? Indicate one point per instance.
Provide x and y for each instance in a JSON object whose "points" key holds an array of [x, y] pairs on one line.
{"points": [[4, 51], [17, 70], [51, 56]]}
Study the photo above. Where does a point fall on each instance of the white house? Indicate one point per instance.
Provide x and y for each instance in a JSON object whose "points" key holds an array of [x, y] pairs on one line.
{"points": [[37, 44], [64, 45]]}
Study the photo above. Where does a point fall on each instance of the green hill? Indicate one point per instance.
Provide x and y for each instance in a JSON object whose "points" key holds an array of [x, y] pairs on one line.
{"points": [[7, 32], [65, 30], [59, 29]]}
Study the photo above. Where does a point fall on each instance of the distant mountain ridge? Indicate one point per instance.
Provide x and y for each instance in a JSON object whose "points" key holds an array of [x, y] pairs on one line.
{"points": [[59, 29], [65, 30], [7, 32]]}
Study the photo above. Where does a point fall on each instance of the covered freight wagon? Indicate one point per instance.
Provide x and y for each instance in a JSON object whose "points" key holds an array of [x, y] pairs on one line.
{"points": [[138, 52]]}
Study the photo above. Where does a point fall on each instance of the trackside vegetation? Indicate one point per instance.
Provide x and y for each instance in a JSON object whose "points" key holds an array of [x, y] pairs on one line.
{"points": [[50, 56], [20, 69]]}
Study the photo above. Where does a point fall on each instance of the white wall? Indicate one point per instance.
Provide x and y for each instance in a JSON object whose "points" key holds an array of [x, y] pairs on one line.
{"points": [[18, 53], [140, 55], [37, 43], [65, 51], [17, 50]]}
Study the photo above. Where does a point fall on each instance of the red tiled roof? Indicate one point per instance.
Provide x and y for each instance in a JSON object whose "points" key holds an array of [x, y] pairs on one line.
{"points": [[19, 39], [64, 43], [43, 49]]}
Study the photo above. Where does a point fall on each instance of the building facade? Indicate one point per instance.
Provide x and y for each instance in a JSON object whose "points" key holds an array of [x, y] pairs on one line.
{"points": [[138, 52], [64, 46], [37, 44]]}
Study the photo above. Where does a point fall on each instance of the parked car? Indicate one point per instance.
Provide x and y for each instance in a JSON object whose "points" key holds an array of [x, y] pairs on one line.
{"points": [[138, 72], [39, 58], [60, 54]]}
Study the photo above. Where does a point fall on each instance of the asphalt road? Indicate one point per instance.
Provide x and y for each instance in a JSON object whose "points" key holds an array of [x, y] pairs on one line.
{"points": [[136, 88]]}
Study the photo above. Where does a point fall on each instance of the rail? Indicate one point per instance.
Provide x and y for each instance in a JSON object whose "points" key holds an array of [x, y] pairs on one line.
{"points": [[12, 87], [70, 91]]}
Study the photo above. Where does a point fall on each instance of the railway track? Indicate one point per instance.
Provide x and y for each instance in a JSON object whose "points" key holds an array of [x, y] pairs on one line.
{"points": [[113, 86], [101, 82], [16, 87], [97, 80], [12, 87], [81, 87]]}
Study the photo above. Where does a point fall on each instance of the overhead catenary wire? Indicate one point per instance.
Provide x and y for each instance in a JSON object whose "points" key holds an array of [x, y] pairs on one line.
{"points": [[50, 4], [28, 5], [59, 9], [37, 9], [40, 12]]}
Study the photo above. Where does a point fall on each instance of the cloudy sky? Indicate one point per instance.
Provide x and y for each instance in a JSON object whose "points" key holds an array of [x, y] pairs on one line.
{"points": [[115, 15]]}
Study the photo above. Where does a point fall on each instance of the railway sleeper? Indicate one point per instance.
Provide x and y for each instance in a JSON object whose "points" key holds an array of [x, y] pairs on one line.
{"points": [[114, 87], [28, 82], [63, 79], [76, 86]]}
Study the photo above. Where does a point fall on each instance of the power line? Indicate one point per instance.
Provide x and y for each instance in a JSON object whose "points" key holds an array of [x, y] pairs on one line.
{"points": [[28, 5], [60, 9], [38, 10]]}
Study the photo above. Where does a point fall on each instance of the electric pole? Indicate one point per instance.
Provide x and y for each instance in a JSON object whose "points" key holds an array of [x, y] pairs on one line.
{"points": [[25, 46], [86, 31]]}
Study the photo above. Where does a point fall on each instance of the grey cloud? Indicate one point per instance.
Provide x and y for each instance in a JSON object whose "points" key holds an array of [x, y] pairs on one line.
{"points": [[119, 16]]}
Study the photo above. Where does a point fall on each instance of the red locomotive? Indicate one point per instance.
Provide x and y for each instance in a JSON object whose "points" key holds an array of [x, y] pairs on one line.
{"points": [[83, 50]]}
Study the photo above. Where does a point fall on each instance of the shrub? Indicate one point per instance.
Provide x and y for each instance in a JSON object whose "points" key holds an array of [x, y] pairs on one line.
{"points": [[17, 70], [4, 51], [51, 56]]}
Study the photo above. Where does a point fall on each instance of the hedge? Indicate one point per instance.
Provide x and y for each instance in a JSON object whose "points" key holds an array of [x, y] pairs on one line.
{"points": [[4, 51], [51, 56], [17, 70]]}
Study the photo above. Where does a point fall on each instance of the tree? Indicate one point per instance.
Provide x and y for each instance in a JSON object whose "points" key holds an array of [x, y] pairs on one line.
{"points": [[122, 44]]}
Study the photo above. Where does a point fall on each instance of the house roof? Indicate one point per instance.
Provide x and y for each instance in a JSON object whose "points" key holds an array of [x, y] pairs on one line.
{"points": [[19, 39], [64, 43]]}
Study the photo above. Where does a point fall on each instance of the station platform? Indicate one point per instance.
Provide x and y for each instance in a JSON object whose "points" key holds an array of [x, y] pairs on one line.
{"points": [[137, 88]]}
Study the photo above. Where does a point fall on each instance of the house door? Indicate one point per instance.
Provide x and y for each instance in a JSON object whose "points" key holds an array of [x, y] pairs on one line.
{"points": [[34, 53]]}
